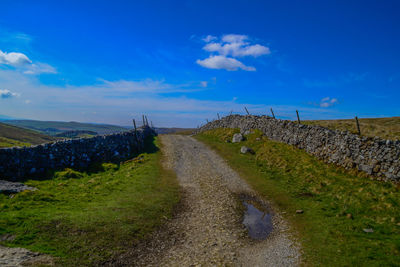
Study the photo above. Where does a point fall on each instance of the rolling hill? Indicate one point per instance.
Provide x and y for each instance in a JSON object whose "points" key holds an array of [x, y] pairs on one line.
{"points": [[15, 136], [57, 127]]}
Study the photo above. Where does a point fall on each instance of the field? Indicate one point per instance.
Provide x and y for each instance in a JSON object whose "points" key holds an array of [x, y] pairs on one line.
{"points": [[14, 136], [387, 128], [348, 220], [57, 127], [85, 219]]}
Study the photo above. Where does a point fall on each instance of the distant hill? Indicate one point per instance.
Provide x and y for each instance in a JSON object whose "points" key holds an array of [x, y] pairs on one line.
{"points": [[76, 134], [14, 136], [58, 127], [387, 128], [173, 130]]}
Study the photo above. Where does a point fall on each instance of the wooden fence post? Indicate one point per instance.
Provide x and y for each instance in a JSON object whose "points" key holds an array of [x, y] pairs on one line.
{"points": [[358, 126], [147, 122], [273, 115], [134, 125], [298, 117], [207, 120], [231, 113], [247, 111], [218, 115], [144, 122]]}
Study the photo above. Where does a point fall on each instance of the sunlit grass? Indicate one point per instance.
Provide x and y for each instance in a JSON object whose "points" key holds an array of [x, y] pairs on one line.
{"points": [[87, 218], [337, 204]]}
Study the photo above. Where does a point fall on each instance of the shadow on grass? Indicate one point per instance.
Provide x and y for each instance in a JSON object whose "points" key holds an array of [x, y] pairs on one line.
{"points": [[94, 167]]}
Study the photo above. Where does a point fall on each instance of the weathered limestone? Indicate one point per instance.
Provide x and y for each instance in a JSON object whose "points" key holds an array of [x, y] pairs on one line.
{"points": [[17, 163], [375, 156]]}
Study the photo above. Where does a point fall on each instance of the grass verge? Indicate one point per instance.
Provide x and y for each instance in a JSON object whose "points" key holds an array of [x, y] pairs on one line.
{"points": [[88, 218], [338, 205]]}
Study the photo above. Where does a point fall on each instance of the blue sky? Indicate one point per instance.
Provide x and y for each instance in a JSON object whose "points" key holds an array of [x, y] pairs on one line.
{"points": [[181, 62]]}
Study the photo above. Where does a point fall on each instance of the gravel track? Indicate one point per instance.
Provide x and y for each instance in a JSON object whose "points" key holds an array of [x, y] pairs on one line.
{"points": [[207, 231]]}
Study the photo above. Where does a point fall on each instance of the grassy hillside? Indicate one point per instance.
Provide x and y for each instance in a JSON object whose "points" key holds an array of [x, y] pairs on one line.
{"points": [[387, 128], [14, 136], [85, 219], [348, 219], [57, 127]]}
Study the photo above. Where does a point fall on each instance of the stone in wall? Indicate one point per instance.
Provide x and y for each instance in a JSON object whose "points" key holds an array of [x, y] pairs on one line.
{"points": [[17, 164], [374, 156]]}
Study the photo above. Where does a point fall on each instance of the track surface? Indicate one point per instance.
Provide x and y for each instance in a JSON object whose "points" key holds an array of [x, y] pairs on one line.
{"points": [[207, 231]]}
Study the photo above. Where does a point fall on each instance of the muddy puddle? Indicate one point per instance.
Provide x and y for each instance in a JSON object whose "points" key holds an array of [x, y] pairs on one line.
{"points": [[257, 219]]}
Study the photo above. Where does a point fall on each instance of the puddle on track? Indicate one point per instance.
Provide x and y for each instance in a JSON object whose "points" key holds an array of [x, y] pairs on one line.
{"points": [[258, 222]]}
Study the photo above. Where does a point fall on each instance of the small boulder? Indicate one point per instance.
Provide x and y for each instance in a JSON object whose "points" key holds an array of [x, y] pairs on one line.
{"points": [[299, 211], [245, 149], [237, 138]]}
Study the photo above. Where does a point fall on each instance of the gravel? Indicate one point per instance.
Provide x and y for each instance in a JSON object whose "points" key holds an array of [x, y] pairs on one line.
{"points": [[15, 257], [207, 229]]}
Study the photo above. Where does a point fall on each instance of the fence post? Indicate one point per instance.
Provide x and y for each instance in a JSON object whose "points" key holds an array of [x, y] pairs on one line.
{"points": [[207, 120], [134, 125], [152, 126], [147, 122], [247, 111], [231, 113], [144, 122], [298, 117], [273, 115], [358, 126], [218, 115]]}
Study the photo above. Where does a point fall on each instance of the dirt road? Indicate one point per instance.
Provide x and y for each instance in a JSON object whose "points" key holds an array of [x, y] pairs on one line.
{"points": [[208, 231]]}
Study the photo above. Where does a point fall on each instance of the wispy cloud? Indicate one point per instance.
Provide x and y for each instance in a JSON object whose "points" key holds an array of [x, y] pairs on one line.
{"points": [[8, 94], [327, 102], [117, 102], [22, 62], [224, 52]]}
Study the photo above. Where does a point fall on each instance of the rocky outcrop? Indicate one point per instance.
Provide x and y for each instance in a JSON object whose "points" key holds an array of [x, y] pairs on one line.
{"points": [[17, 164], [375, 156]]}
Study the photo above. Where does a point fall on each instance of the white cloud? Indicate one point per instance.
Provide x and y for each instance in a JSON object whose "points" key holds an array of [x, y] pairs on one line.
{"points": [[327, 102], [209, 38], [14, 59], [23, 63], [8, 94], [204, 83], [225, 50], [235, 45], [39, 68], [222, 62]]}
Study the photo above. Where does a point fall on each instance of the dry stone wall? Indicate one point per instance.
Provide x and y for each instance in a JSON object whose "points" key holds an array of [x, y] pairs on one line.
{"points": [[375, 156], [17, 164]]}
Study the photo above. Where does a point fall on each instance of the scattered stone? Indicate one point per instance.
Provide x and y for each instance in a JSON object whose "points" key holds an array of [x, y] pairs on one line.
{"points": [[368, 230], [237, 137], [12, 188], [245, 149], [299, 211]]}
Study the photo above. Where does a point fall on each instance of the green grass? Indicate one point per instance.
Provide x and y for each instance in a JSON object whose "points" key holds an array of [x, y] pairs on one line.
{"points": [[87, 218], [6, 142], [56, 127], [387, 128], [337, 204], [14, 136]]}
